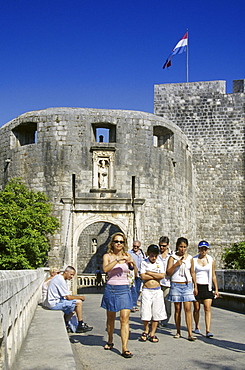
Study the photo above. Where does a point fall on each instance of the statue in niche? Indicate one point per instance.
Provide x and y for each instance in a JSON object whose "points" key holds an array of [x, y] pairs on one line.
{"points": [[103, 167], [94, 244]]}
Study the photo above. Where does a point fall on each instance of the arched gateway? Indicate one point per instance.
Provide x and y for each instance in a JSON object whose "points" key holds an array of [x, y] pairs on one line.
{"points": [[92, 244]]}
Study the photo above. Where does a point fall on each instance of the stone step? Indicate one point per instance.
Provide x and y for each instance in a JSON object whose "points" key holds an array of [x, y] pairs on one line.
{"points": [[47, 344]]}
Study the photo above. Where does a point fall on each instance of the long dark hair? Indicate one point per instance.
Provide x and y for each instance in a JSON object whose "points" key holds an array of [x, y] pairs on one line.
{"points": [[179, 241]]}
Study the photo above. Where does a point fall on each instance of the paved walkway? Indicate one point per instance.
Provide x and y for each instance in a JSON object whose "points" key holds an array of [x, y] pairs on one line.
{"points": [[225, 351]]}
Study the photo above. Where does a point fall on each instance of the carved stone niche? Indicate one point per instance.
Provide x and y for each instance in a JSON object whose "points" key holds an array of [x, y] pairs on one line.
{"points": [[103, 170]]}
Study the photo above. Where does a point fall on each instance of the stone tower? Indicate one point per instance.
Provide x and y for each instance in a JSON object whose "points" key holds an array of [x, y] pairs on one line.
{"points": [[141, 180], [214, 123]]}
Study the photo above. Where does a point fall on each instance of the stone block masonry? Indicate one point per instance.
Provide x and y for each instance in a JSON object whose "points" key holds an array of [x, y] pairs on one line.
{"points": [[214, 123], [141, 181], [178, 172], [20, 292]]}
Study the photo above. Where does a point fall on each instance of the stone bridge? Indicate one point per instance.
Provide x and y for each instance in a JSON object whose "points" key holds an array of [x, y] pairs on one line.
{"points": [[20, 292]]}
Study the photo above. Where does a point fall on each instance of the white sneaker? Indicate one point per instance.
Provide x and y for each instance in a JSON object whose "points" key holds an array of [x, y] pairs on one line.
{"points": [[197, 331]]}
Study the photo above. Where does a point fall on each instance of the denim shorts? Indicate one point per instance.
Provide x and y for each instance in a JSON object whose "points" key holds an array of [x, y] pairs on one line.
{"points": [[65, 305], [117, 298], [181, 293]]}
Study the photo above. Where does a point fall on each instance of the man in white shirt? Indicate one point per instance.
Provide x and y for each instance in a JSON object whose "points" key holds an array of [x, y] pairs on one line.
{"points": [[59, 298]]}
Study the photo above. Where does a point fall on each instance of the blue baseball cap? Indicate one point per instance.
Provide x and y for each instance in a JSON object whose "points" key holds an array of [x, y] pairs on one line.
{"points": [[203, 243]]}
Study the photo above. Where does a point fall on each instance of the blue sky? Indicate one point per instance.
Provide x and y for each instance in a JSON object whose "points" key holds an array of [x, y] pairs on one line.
{"points": [[109, 54]]}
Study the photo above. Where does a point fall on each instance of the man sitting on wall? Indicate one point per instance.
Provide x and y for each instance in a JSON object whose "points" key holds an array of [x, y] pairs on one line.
{"points": [[59, 298]]}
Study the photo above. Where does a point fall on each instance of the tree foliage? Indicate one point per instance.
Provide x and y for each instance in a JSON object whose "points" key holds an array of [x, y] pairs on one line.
{"points": [[25, 224], [234, 257]]}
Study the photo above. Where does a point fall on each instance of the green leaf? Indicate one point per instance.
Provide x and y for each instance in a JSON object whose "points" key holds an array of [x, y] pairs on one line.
{"points": [[234, 257], [25, 226]]}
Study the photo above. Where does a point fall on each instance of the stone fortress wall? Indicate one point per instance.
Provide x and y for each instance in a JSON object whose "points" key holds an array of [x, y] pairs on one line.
{"points": [[142, 181], [214, 123]]}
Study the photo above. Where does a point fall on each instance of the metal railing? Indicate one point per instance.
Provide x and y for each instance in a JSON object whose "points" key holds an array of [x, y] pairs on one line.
{"points": [[88, 280]]}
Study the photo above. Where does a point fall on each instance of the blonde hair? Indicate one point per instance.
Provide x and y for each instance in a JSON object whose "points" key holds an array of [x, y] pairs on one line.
{"points": [[110, 248], [53, 270]]}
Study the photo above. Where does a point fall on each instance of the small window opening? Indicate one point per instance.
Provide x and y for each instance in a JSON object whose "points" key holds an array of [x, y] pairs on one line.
{"points": [[163, 138], [104, 133], [25, 134]]}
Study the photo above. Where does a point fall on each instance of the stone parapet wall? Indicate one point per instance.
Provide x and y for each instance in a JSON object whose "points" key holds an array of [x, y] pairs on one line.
{"points": [[231, 281], [20, 292]]}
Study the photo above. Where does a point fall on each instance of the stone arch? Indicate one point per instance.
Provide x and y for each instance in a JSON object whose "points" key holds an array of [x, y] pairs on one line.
{"points": [[92, 245], [83, 221]]}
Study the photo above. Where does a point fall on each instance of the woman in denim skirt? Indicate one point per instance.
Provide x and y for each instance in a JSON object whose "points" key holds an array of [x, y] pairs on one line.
{"points": [[181, 286], [117, 296]]}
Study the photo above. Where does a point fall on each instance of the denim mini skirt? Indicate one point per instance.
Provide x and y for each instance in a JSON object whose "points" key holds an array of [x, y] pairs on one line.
{"points": [[117, 298], [181, 293]]}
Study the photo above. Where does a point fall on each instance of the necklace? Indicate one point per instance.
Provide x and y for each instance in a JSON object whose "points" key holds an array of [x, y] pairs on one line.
{"points": [[203, 261]]}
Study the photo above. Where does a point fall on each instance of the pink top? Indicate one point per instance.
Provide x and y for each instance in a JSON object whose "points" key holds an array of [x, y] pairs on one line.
{"points": [[118, 275]]}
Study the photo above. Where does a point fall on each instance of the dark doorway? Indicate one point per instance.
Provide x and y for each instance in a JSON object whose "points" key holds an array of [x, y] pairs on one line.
{"points": [[92, 245]]}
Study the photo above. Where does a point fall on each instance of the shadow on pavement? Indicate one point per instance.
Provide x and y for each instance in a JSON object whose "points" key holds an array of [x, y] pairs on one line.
{"points": [[90, 290]]}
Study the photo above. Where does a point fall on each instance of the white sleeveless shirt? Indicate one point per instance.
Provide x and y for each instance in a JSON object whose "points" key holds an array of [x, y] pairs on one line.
{"points": [[182, 273], [208, 271]]}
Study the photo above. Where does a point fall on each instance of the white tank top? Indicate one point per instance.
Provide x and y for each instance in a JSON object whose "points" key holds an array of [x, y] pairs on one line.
{"points": [[182, 273], [210, 267], [202, 274]]}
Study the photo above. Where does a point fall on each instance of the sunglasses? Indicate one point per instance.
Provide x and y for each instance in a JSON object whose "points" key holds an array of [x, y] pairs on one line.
{"points": [[136, 246], [118, 241]]}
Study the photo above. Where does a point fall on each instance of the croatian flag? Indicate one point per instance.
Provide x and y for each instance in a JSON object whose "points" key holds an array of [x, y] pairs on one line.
{"points": [[178, 49]]}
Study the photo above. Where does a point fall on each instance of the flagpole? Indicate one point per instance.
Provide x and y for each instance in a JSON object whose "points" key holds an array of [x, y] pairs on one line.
{"points": [[187, 59]]}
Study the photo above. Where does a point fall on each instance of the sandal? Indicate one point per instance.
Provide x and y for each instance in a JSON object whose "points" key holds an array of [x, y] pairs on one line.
{"points": [[108, 346], [134, 309], [192, 338], [144, 337], [127, 354], [176, 336], [153, 339]]}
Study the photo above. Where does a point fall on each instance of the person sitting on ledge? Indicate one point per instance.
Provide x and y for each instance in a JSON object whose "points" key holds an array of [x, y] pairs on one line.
{"points": [[52, 271], [59, 298]]}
